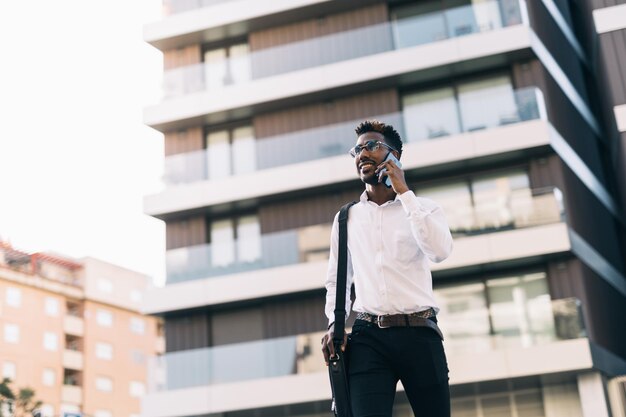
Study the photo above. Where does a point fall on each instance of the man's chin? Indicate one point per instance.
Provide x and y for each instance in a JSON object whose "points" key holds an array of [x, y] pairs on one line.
{"points": [[369, 179]]}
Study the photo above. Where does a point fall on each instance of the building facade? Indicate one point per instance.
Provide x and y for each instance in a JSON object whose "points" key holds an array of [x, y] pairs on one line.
{"points": [[72, 331], [512, 119]]}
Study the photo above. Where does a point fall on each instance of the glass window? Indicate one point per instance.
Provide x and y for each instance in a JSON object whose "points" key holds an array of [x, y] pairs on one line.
{"points": [[51, 306], [11, 333], [487, 103], [48, 377], [137, 325], [104, 351], [222, 243], [215, 68], [137, 389], [500, 198], [244, 150], [104, 318], [14, 297], [47, 410], [50, 341], [105, 286], [218, 154], [418, 24], [104, 383], [248, 239], [430, 114], [521, 310], [240, 70], [9, 370], [464, 310], [456, 202]]}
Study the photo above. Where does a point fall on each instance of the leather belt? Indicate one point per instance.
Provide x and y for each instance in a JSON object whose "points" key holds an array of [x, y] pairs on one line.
{"points": [[419, 319]]}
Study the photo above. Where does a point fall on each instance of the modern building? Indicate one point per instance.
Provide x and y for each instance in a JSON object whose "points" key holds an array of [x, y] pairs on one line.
{"points": [[512, 113], [73, 332]]}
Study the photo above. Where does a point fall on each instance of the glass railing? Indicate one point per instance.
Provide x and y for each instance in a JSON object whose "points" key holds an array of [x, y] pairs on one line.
{"points": [[402, 33], [503, 211], [267, 251], [171, 7], [295, 355], [497, 108]]}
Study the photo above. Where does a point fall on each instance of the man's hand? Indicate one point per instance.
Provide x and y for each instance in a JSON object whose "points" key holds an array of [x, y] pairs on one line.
{"points": [[328, 348], [395, 174]]}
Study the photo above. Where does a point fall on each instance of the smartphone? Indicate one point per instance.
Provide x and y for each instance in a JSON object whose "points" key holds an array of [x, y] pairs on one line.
{"points": [[390, 157]]}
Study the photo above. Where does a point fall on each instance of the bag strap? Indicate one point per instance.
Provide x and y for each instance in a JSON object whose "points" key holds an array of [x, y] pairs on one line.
{"points": [[342, 271]]}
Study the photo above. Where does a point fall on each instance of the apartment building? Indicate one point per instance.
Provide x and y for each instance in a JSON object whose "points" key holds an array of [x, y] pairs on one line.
{"points": [[511, 114], [73, 332]]}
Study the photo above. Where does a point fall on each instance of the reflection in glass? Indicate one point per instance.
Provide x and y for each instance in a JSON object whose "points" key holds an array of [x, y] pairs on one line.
{"points": [[497, 198], [248, 239], [487, 103], [244, 150], [222, 242], [430, 114]]}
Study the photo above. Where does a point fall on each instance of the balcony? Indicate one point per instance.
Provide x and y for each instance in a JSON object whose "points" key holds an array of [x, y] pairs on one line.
{"points": [[171, 7], [74, 326], [72, 359], [500, 108], [551, 330], [71, 394], [524, 209], [398, 53], [348, 45]]}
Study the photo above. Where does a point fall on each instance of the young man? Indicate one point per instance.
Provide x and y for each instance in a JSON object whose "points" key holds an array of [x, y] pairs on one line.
{"points": [[392, 235]]}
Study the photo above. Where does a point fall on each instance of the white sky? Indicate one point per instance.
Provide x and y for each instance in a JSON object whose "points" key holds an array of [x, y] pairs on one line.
{"points": [[75, 157]]}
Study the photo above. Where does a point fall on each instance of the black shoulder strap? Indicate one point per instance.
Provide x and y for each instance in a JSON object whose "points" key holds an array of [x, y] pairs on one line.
{"points": [[342, 270]]}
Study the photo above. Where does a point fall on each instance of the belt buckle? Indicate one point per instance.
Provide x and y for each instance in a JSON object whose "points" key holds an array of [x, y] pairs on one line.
{"points": [[379, 322]]}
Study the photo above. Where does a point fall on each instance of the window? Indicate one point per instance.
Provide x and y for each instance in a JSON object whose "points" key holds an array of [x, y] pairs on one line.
{"points": [[104, 384], [137, 389], [104, 318], [226, 66], [9, 370], [48, 377], [102, 413], [105, 286], [137, 325], [11, 333], [104, 351], [51, 306], [430, 114], [487, 103], [230, 152], [47, 410], [50, 341], [235, 240], [14, 297]]}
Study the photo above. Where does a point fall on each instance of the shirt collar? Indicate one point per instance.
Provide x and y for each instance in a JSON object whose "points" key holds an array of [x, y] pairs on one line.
{"points": [[363, 199]]}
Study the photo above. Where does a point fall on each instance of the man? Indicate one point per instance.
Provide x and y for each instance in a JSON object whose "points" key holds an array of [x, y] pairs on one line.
{"points": [[392, 235]]}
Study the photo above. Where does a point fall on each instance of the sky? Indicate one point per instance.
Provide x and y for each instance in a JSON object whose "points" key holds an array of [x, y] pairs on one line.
{"points": [[76, 159]]}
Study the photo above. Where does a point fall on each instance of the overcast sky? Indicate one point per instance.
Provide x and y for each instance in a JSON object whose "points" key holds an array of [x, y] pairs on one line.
{"points": [[75, 157]]}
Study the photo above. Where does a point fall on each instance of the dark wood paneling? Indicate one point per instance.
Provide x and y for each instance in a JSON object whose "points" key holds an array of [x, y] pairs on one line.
{"points": [[237, 326], [183, 141], [294, 317], [320, 114], [602, 305], [190, 332], [613, 55], [182, 57], [546, 172], [317, 27], [188, 232], [308, 211]]}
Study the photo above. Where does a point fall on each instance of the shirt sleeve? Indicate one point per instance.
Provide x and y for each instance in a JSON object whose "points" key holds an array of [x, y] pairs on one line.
{"points": [[428, 226], [331, 276]]}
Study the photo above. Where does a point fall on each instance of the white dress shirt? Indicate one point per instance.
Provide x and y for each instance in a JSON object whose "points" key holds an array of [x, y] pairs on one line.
{"points": [[389, 247]]}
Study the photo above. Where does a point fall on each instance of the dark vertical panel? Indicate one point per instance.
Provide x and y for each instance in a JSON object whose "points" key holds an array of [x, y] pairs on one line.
{"points": [[188, 232], [308, 211], [613, 52], [528, 74], [182, 57], [189, 332], [546, 172], [304, 315], [320, 114], [236, 326], [183, 141]]}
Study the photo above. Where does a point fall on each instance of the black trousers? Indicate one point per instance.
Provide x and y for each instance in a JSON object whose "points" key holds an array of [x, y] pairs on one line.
{"points": [[379, 358]]}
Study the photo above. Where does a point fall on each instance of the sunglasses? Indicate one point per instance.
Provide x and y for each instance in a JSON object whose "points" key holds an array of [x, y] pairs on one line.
{"points": [[370, 145]]}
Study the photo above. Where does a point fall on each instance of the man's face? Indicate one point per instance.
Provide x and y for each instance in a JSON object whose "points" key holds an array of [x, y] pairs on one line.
{"points": [[366, 161]]}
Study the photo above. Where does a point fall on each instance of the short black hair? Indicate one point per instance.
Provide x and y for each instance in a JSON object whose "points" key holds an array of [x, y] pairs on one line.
{"points": [[392, 137]]}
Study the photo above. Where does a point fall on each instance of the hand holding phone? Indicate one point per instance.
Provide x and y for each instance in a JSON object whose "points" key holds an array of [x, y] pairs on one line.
{"points": [[383, 172]]}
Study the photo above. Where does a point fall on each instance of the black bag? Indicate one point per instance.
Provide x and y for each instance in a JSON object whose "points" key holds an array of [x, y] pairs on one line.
{"points": [[338, 365]]}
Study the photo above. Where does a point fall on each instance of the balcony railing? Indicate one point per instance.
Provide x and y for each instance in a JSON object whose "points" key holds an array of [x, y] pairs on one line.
{"points": [[500, 107], [295, 355], [346, 45], [515, 210], [171, 7]]}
